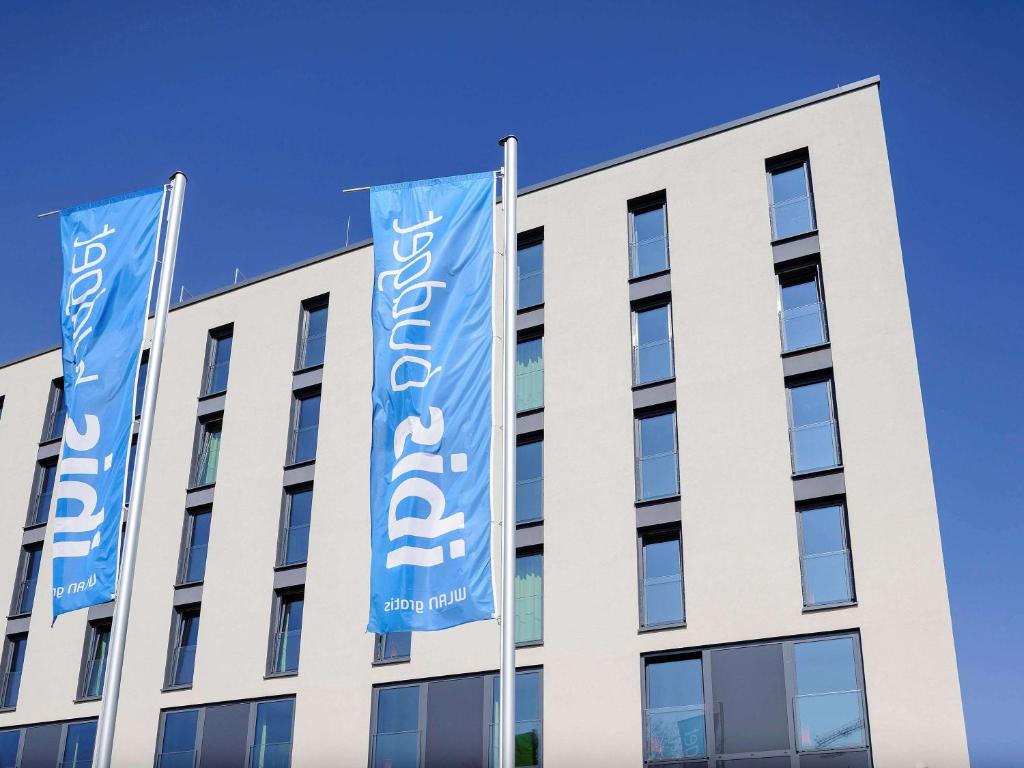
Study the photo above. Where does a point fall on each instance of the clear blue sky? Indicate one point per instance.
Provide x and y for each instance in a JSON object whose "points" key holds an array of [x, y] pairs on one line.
{"points": [[271, 109]]}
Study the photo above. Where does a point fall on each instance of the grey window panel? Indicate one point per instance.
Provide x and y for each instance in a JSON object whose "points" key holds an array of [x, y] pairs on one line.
{"points": [[858, 759], [33, 535], [646, 288], [799, 248], [530, 320], [530, 536], [812, 361], [660, 394], [290, 577], [750, 706], [298, 475], [776, 761], [48, 450], [531, 422], [18, 626], [225, 736], [819, 486], [41, 746], [199, 498], [455, 723], [663, 513], [188, 595], [306, 379], [211, 405], [101, 611]]}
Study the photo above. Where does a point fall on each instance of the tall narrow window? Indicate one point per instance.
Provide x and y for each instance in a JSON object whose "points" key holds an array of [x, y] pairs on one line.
{"points": [[207, 457], [529, 597], [531, 274], [662, 567], [528, 720], [674, 710], [10, 742], [529, 375], [396, 737], [313, 333], [391, 647], [648, 237], [56, 412], [288, 633], [130, 477], [13, 662], [42, 492], [97, 641], [657, 466], [79, 743], [652, 345], [28, 577], [178, 741], [272, 736], [305, 425], [530, 481], [298, 509], [218, 360], [813, 432], [829, 701], [802, 308], [825, 556], [792, 203], [195, 543], [185, 640], [140, 382]]}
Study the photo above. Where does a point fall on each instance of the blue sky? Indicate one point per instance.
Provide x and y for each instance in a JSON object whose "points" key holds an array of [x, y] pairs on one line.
{"points": [[272, 108]]}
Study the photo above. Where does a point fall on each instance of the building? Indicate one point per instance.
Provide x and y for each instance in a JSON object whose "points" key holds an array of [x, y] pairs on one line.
{"points": [[729, 550]]}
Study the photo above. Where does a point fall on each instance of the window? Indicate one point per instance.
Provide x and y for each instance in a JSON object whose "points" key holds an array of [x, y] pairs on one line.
{"points": [[204, 472], [792, 204], [195, 542], [184, 640], [305, 425], [298, 510], [802, 309], [42, 492], [396, 739], [140, 382], [530, 261], [529, 597], [56, 412], [674, 710], [813, 433], [529, 375], [391, 647], [657, 468], [10, 741], [130, 477], [825, 556], [272, 737], [661, 598], [218, 359], [313, 333], [648, 237], [97, 642], [178, 740], [287, 633], [829, 700], [652, 345], [528, 720], [28, 577], [530, 481], [79, 742], [13, 661]]}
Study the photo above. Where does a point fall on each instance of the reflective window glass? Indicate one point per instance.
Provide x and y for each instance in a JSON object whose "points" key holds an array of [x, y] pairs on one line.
{"points": [[663, 580], [178, 745], [531, 276], [652, 345], [530, 481], [79, 741], [675, 710], [306, 427], [829, 704], [813, 434], [529, 375], [529, 598], [657, 460], [299, 512], [649, 241], [272, 737], [396, 743]]}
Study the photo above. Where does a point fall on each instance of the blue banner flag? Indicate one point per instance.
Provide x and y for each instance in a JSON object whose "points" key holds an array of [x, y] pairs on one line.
{"points": [[109, 258], [430, 462]]}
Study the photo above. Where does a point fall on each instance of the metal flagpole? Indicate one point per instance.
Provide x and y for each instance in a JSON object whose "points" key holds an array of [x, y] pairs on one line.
{"points": [[122, 602], [507, 709]]}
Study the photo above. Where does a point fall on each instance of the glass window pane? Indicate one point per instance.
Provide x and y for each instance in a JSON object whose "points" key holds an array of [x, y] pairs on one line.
{"points": [[531, 276], [675, 710], [657, 434], [528, 720], [751, 705], [186, 652], [98, 662], [198, 545], [811, 403], [814, 447], [663, 595], [272, 738], [209, 456], [657, 471], [316, 337], [307, 426], [529, 596], [831, 721], [827, 579], [47, 476], [789, 183], [58, 412], [140, 385], [130, 477], [653, 350], [78, 745], [32, 557], [397, 741], [529, 375], [289, 638], [220, 362], [649, 242], [530, 481], [15, 662], [395, 645], [825, 666], [649, 224], [822, 529], [178, 747], [300, 511], [9, 743]]}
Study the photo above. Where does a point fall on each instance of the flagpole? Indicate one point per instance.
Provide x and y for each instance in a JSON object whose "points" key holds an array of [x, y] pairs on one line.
{"points": [[122, 602], [507, 709]]}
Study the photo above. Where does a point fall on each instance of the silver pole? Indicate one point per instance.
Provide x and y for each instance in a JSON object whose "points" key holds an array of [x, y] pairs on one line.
{"points": [[123, 600], [510, 191]]}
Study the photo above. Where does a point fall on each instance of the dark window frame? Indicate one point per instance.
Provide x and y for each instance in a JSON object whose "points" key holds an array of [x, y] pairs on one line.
{"points": [[298, 396], [785, 162], [201, 448], [638, 416], [639, 205], [790, 271], [281, 598], [285, 527], [652, 535], [21, 579], [379, 645], [213, 337], [826, 377], [306, 306], [528, 239], [32, 519], [844, 522], [6, 663], [528, 439], [529, 552], [655, 302], [531, 334], [55, 404], [93, 630], [185, 551], [179, 614]]}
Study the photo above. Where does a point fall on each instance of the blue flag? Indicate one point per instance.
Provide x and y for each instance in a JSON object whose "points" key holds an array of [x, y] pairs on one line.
{"points": [[430, 462], [109, 257]]}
